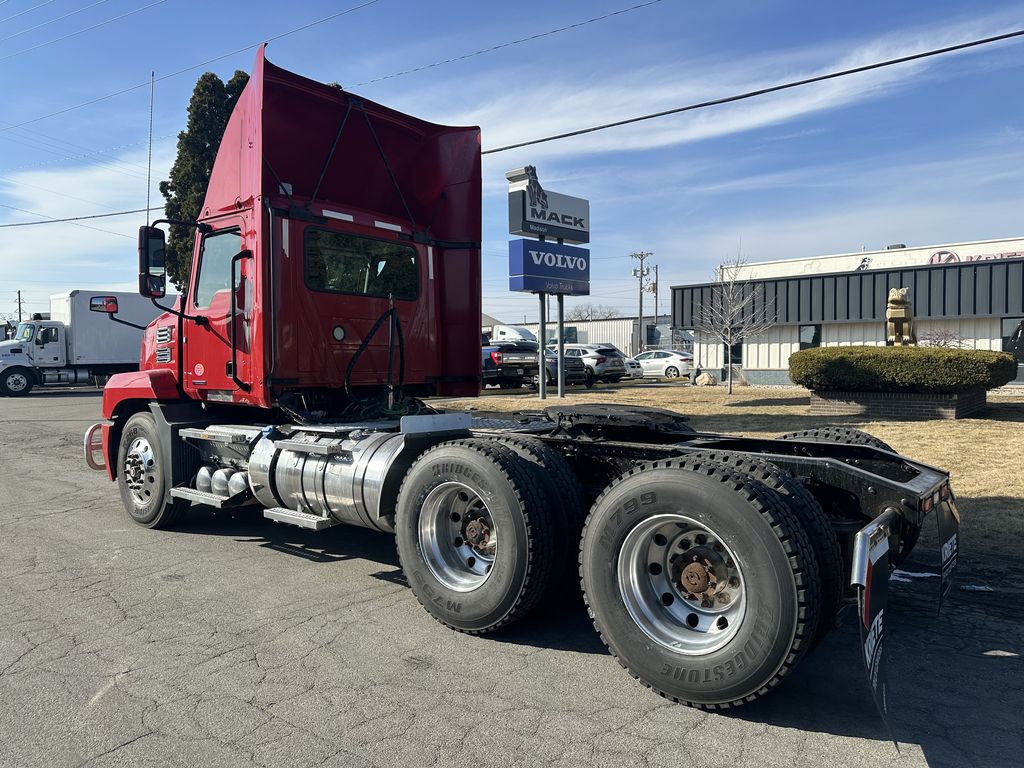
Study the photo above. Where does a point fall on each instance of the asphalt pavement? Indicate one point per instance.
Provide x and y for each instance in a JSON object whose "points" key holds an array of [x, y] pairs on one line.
{"points": [[235, 641]]}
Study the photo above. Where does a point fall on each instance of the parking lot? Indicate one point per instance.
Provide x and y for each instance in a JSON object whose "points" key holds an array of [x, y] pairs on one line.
{"points": [[236, 641]]}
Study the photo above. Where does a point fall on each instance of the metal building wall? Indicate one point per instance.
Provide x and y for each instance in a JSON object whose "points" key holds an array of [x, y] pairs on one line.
{"points": [[620, 331]]}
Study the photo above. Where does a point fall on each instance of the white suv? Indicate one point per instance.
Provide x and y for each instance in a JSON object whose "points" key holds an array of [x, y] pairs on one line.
{"points": [[603, 363]]}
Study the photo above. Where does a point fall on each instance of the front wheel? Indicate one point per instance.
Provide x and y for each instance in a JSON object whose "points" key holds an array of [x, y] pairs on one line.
{"points": [[16, 382], [700, 581], [142, 472]]}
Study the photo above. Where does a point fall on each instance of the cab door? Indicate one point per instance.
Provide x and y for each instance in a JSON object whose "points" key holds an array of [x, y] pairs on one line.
{"points": [[50, 351], [218, 332]]}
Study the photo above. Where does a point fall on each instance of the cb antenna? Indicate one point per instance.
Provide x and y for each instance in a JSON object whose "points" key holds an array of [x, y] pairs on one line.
{"points": [[149, 165]]}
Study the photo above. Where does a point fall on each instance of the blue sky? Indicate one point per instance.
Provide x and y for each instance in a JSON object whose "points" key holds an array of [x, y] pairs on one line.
{"points": [[922, 153]]}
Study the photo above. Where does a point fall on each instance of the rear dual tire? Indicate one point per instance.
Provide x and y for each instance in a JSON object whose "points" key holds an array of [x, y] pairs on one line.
{"points": [[637, 567], [476, 539]]}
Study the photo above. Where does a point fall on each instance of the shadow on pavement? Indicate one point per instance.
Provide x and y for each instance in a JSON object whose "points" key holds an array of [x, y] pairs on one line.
{"points": [[956, 680]]}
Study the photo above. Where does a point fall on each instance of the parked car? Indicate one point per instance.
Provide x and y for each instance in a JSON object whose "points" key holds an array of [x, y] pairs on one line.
{"points": [[573, 369], [661, 362], [509, 364], [633, 369], [603, 363]]}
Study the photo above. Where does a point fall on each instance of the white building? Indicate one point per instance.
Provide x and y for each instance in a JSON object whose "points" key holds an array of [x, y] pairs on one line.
{"points": [[973, 291]]}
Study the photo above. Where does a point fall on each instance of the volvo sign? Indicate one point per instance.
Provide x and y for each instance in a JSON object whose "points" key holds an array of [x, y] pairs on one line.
{"points": [[544, 267], [535, 212]]}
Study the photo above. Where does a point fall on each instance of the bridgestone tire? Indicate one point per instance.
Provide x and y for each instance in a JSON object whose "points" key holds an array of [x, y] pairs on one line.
{"points": [[779, 581], [563, 497], [815, 522], [523, 560], [16, 382], [845, 435], [154, 511]]}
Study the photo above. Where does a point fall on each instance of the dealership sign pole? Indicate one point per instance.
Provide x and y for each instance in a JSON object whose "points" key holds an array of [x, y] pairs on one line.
{"points": [[540, 266]]}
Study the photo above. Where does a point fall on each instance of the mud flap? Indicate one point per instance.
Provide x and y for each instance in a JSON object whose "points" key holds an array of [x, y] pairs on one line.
{"points": [[871, 576], [948, 518]]}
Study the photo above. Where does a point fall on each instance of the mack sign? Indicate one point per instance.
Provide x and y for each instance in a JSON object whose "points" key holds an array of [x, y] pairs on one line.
{"points": [[543, 267]]}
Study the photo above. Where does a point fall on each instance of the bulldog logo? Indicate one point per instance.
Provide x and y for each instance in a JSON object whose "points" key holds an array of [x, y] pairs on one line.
{"points": [[533, 188]]}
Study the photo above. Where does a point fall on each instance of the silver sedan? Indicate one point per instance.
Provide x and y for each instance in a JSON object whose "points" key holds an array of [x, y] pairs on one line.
{"points": [[661, 362]]}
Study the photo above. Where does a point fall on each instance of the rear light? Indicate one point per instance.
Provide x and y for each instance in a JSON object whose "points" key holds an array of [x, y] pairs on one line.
{"points": [[496, 357], [944, 491], [601, 360], [926, 504]]}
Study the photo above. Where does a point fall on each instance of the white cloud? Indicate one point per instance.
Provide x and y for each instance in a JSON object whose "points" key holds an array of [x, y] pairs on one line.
{"points": [[50, 258]]}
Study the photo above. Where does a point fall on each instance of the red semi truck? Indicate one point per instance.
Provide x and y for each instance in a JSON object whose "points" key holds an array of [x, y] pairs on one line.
{"points": [[335, 286]]}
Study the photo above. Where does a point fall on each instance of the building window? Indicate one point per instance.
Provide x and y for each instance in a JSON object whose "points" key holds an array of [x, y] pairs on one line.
{"points": [[810, 336], [1013, 337], [733, 355]]}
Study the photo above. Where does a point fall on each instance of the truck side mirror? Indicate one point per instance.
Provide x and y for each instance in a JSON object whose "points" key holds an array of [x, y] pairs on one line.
{"points": [[152, 263], [106, 304]]}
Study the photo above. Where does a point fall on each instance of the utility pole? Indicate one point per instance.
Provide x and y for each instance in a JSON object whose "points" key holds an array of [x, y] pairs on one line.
{"points": [[641, 273], [19, 306]]}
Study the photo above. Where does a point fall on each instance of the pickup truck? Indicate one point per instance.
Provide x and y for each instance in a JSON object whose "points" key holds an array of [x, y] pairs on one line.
{"points": [[511, 364]]}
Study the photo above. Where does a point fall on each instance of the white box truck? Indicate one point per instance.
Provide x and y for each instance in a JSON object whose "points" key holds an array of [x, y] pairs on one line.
{"points": [[75, 344]]}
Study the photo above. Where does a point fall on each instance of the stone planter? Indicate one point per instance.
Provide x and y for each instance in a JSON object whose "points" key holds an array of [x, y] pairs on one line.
{"points": [[899, 406]]}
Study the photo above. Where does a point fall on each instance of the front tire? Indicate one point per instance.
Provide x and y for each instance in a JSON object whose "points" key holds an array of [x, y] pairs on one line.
{"points": [[474, 535], [142, 473], [700, 581], [16, 382]]}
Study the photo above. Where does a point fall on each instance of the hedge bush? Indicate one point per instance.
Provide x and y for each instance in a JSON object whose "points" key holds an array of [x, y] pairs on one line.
{"points": [[901, 369]]}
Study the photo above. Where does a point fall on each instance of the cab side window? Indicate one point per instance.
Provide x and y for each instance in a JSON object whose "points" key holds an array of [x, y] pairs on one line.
{"points": [[215, 265]]}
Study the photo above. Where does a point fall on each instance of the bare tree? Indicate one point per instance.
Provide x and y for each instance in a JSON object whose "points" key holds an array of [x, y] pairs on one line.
{"points": [[738, 310], [591, 312], [942, 337]]}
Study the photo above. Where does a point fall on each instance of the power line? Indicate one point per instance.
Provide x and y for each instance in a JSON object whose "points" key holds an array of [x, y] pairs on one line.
{"points": [[52, 21], [27, 10], [189, 69], [72, 219], [763, 91], [81, 31], [506, 45]]}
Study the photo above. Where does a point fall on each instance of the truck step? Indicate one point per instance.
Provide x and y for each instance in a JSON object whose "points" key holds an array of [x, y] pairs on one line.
{"points": [[211, 499], [301, 519]]}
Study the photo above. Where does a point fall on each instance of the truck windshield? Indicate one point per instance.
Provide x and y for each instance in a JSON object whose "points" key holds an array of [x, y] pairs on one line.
{"points": [[25, 332]]}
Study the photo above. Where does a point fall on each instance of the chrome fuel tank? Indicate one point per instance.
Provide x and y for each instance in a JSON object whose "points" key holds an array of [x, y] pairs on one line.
{"points": [[339, 476]]}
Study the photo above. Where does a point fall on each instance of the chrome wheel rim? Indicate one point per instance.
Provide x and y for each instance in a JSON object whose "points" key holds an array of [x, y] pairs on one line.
{"points": [[681, 584], [457, 535], [16, 382], [140, 471]]}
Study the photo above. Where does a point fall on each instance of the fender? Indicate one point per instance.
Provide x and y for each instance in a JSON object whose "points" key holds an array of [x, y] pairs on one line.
{"points": [[159, 384], [136, 390]]}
